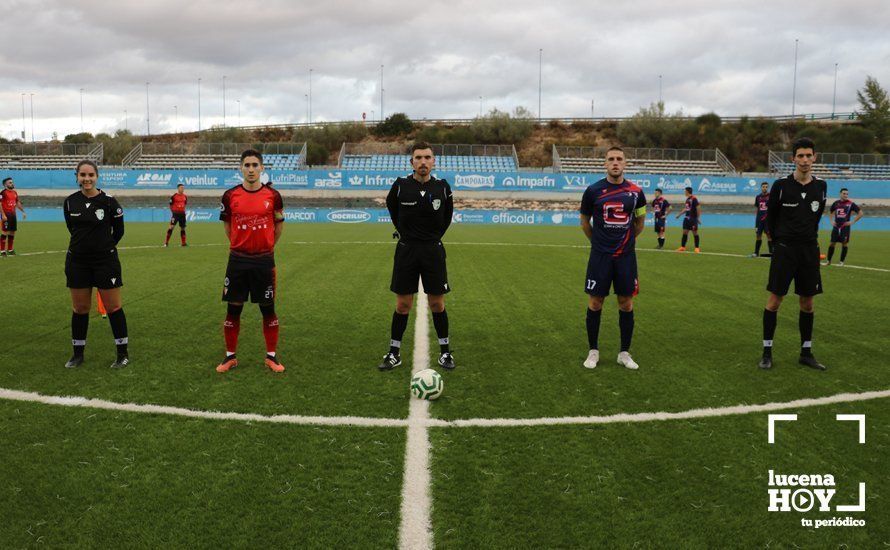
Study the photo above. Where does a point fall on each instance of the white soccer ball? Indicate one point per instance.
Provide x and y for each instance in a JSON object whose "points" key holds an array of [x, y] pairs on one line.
{"points": [[427, 384]]}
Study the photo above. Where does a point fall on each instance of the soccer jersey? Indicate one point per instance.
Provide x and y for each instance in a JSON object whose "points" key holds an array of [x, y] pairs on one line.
{"points": [[612, 209], [178, 202], [690, 209], [659, 207], [96, 224], [421, 212], [761, 202], [795, 209], [843, 211], [252, 215], [9, 198]]}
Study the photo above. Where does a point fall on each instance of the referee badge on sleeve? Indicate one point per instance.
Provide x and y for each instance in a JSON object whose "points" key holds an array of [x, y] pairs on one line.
{"points": [[437, 203]]}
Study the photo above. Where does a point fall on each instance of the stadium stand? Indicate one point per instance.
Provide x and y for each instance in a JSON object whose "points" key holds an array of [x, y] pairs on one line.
{"points": [[395, 157], [202, 156], [653, 161], [48, 156], [837, 165]]}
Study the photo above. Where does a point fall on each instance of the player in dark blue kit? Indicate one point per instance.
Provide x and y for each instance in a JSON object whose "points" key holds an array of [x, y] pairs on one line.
{"points": [[613, 211], [841, 211], [692, 213], [761, 203], [660, 209]]}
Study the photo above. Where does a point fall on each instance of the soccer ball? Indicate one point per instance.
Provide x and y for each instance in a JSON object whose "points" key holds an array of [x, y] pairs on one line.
{"points": [[427, 384]]}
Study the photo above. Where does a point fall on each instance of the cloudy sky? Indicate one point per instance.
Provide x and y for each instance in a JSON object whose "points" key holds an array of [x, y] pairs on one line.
{"points": [[438, 59]]}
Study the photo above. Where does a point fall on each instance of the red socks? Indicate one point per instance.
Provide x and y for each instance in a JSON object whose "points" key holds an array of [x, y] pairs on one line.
{"points": [[182, 236], [270, 332], [231, 328]]}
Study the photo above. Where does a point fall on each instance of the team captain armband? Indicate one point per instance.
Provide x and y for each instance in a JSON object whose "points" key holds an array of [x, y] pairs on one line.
{"points": [[279, 216], [640, 212]]}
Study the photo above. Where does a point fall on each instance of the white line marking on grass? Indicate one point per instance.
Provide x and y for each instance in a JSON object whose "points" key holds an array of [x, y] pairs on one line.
{"points": [[415, 530], [16, 395], [657, 416]]}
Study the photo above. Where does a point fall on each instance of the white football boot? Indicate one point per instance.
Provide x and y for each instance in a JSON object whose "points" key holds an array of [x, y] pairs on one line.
{"points": [[625, 359], [593, 358]]}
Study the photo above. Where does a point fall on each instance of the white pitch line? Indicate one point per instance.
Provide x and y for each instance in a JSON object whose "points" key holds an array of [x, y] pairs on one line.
{"points": [[87, 403], [415, 529], [371, 422]]}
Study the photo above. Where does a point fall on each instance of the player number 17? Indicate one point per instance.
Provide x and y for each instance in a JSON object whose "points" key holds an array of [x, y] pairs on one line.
{"points": [[590, 284]]}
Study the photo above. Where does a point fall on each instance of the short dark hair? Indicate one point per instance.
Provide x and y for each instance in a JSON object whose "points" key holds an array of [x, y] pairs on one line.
{"points": [[616, 148], [764, 183], [689, 190], [421, 145], [5, 180], [659, 189], [251, 153], [88, 162], [842, 189], [180, 185], [802, 143]]}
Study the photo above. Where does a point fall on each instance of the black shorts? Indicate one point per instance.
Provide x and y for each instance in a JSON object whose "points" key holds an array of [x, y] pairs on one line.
{"points": [[690, 224], [840, 234], [659, 225], [412, 261], [178, 217], [798, 262], [102, 272], [604, 271], [11, 223], [249, 277], [760, 227]]}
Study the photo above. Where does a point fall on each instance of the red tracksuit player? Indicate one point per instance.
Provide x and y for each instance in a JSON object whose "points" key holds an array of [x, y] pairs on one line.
{"points": [[177, 214], [253, 214]]}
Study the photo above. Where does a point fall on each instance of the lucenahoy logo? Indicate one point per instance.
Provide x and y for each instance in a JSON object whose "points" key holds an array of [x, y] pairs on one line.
{"points": [[349, 216]]}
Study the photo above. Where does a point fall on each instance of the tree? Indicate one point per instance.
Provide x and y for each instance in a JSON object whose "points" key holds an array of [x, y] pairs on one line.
{"points": [[396, 124], [875, 105]]}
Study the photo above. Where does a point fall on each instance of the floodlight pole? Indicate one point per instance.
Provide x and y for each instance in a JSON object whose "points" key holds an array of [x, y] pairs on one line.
{"points": [[81, 110], [381, 93], [126, 121], [794, 85], [238, 101], [224, 101], [309, 116], [834, 94], [24, 128], [147, 113], [540, 79], [199, 104], [660, 95], [176, 117], [32, 118]]}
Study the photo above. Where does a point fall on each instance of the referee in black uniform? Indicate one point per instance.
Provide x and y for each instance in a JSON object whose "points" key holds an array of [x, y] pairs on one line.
{"points": [[795, 207], [420, 207], [96, 223]]}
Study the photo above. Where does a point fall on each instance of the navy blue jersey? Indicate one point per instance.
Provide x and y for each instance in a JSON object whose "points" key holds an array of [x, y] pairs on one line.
{"points": [[691, 208], [761, 202], [659, 207], [612, 209], [843, 211]]}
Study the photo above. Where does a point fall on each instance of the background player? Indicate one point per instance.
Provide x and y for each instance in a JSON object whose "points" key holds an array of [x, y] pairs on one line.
{"points": [[760, 227], [178, 201], [613, 211], [692, 211], [96, 223], [660, 209], [841, 212], [9, 201], [420, 207], [253, 216], [796, 203]]}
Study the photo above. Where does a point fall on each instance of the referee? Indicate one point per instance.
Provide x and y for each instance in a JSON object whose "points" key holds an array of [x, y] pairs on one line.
{"points": [[96, 223], [420, 207], [794, 209]]}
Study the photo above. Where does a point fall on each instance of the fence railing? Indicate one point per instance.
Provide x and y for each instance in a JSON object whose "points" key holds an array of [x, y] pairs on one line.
{"points": [[640, 153], [439, 149], [82, 150], [867, 159]]}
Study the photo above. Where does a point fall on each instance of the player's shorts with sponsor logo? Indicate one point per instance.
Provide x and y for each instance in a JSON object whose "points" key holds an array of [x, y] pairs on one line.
{"points": [[660, 224], [250, 277], [605, 271], [761, 226], [798, 262], [88, 272], [11, 223], [840, 234], [419, 260], [690, 224], [178, 217]]}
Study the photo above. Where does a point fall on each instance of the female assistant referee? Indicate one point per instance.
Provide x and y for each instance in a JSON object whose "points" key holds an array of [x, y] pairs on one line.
{"points": [[96, 223]]}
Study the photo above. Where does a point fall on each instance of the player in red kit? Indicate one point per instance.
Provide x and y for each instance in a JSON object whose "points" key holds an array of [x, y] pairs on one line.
{"points": [[177, 214], [9, 201], [253, 214]]}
